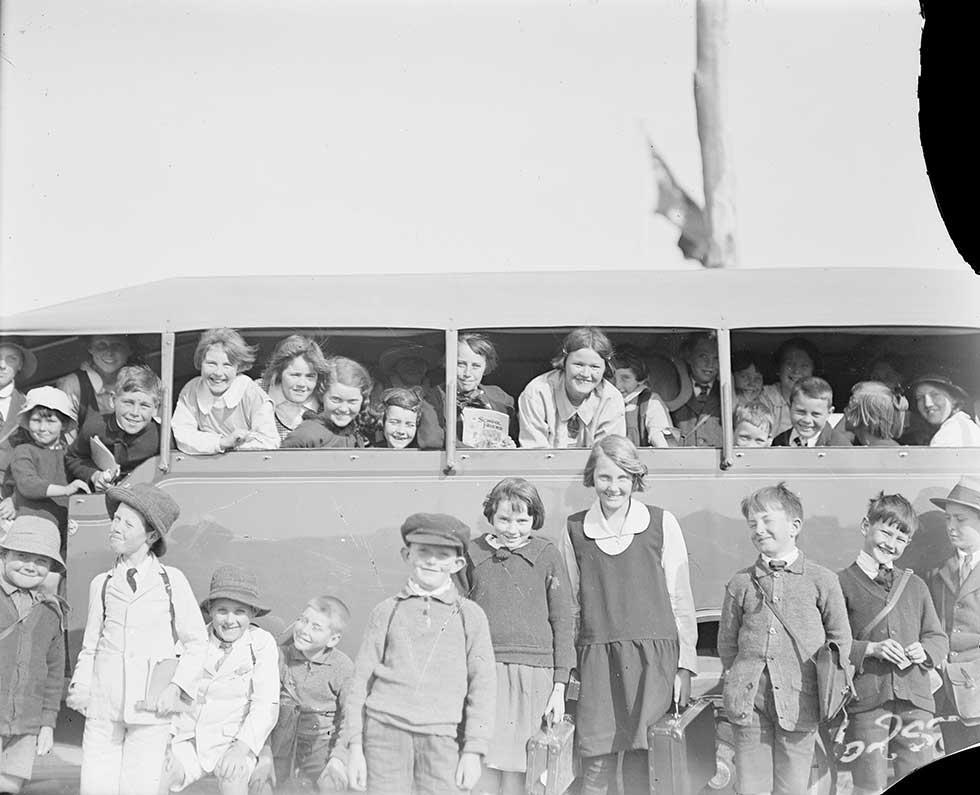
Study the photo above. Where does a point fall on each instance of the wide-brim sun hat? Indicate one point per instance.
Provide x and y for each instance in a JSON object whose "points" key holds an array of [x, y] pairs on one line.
{"points": [[158, 508], [966, 493], [392, 356], [958, 392], [28, 360], [47, 397], [239, 585], [35, 535]]}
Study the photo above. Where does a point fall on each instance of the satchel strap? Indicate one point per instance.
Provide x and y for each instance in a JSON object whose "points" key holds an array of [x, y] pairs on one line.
{"points": [[8, 630], [170, 599], [797, 644], [889, 605]]}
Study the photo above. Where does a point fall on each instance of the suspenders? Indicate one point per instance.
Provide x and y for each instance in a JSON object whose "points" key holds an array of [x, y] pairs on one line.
{"points": [[170, 600]]}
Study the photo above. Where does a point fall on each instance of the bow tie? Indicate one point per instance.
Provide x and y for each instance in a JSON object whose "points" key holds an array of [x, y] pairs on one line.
{"points": [[777, 565], [225, 646], [501, 554], [885, 576], [474, 400]]}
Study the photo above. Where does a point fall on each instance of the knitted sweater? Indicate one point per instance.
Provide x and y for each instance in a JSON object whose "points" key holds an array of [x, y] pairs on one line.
{"points": [[318, 432], [425, 666], [525, 595], [32, 469], [130, 450]]}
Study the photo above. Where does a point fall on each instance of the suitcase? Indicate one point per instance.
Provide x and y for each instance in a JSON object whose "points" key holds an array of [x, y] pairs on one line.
{"points": [[682, 750], [550, 764]]}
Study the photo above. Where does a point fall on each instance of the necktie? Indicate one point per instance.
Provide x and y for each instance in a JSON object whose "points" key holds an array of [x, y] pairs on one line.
{"points": [[965, 569], [797, 441], [777, 565], [225, 648], [131, 578], [574, 426], [885, 576]]}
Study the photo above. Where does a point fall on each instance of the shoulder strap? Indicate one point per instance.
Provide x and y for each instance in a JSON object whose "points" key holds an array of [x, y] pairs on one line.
{"points": [[889, 606], [6, 632], [391, 617], [105, 585], [170, 599], [87, 399], [775, 611]]}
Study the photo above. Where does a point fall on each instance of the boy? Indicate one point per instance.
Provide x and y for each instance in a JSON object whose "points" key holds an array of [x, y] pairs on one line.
{"points": [[238, 695], [647, 421], [32, 650], [130, 431], [699, 420], [810, 405], [313, 674], [424, 675], [746, 377], [753, 424], [955, 588], [892, 653], [770, 696]]}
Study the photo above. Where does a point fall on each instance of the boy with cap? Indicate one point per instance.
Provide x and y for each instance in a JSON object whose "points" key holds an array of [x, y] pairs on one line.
{"points": [[127, 649], [955, 588], [238, 696], [32, 649], [424, 682]]}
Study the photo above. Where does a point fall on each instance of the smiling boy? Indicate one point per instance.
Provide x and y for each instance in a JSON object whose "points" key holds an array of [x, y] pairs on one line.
{"points": [[810, 406], [699, 420], [769, 694], [898, 640]]}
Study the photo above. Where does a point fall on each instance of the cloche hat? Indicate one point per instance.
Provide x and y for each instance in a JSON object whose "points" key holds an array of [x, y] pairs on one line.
{"points": [[237, 584], [49, 398], [158, 508]]}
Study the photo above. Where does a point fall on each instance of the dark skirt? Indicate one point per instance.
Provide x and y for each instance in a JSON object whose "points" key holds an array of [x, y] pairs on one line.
{"points": [[626, 686]]}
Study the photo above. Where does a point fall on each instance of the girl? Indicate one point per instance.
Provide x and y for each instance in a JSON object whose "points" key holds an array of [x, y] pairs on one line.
{"points": [[344, 419], [402, 409], [940, 403], [647, 418], [293, 378], [573, 405], [476, 357], [631, 592], [874, 415], [521, 583], [796, 358], [91, 387], [222, 409], [746, 377], [140, 613]]}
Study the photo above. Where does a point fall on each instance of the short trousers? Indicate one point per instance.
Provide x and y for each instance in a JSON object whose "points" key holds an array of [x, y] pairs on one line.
{"points": [[17, 755]]}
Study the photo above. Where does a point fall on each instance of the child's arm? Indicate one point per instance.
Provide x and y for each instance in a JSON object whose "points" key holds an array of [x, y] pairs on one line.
{"points": [[334, 775], [729, 627], [574, 577], [430, 434], [78, 459], [260, 414], [612, 413], [833, 610], [678, 577], [30, 484], [932, 639], [560, 616], [533, 417], [657, 421], [55, 683], [263, 706], [79, 690], [193, 637], [481, 676], [190, 439]]}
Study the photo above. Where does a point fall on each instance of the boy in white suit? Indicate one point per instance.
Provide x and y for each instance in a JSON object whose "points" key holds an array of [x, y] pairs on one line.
{"points": [[238, 696]]}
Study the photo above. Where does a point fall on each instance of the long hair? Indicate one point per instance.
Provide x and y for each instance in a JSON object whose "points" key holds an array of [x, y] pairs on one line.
{"points": [[292, 347]]}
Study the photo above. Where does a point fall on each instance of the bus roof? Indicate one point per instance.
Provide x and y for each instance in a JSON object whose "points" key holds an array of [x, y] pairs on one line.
{"points": [[740, 298]]}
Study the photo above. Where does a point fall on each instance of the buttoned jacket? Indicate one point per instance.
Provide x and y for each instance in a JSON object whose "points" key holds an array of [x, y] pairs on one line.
{"points": [[958, 608]]}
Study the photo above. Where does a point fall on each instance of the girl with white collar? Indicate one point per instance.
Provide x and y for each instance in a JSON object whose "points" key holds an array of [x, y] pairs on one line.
{"points": [[637, 630], [294, 379]]}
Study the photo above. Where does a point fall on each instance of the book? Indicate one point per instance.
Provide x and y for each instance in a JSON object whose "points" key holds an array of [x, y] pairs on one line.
{"points": [[159, 675], [102, 456], [484, 427]]}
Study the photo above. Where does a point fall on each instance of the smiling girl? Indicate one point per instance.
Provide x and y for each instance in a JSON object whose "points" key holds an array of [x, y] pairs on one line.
{"points": [[631, 594], [293, 378], [343, 419], [222, 409], [92, 386], [573, 405], [940, 402]]}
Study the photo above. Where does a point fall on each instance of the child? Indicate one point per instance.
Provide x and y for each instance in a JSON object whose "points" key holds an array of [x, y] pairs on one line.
{"points": [[476, 357], [892, 654], [130, 432], [521, 583], [770, 687], [32, 648], [130, 609], [955, 588], [345, 418], [409, 367], [753, 424], [811, 404], [573, 405], [699, 420], [796, 358], [314, 674], [91, 387], [293, 379], [222, 409], [424, 675], [37, 467], [16, 363], [637, 629], [647, 419], [874, 415], [238, 695], [400, 421], [746, 377]]}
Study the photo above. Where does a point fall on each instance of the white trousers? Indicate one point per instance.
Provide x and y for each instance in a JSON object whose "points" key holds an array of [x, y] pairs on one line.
{"points": [[122, 759]]}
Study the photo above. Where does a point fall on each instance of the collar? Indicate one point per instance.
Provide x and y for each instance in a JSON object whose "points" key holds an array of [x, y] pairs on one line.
{"points": [[7, 391], [447, 594], [483, 548], [790, 558], [595, 527], [868, 564], [231, 397], [636, 392], [811, 442], [290, 414], [295, 655], [563, 406], [973, 556], [491, 539], [149, 562], [215, 642], [10, 589], [702, 390], [98, 384]]}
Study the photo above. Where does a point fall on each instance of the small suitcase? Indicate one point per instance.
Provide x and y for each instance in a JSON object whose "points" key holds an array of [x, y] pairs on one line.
{"points": [[682, 750], [550, 763]]}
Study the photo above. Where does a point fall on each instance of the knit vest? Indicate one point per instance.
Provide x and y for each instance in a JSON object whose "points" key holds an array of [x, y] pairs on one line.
{"points": [[87, 399], [636, 425], [624, 596]]}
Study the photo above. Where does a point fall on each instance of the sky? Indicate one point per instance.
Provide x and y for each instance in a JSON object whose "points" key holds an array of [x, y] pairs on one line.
{"points": [[141, 140]]}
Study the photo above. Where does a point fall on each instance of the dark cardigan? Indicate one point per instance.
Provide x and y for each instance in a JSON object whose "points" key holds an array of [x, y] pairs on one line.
{"points": [[130, 450]]}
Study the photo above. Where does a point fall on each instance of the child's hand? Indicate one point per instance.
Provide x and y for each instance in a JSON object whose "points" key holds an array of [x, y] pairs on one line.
{"points": [[72, 527], [333, 777], [233, 438], [888, 650], [234, 763], [916, 653], [77, 699], [556, 703], [682, 687], [169, 701], [102, 480], [264, 773], [7, 510], [357, 768], [469, 770], [78, 485], [45, 741]]}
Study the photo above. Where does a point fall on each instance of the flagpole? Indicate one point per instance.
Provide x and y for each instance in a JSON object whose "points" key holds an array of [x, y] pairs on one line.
{"points": [[716, 161]]}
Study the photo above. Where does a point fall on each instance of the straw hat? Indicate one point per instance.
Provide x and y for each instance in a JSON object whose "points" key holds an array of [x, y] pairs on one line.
{"points": [[158, 508], [49, 398], [36, 536], [966, 492], [392, 356], [957, 392], [237, 584], [28, 359]]}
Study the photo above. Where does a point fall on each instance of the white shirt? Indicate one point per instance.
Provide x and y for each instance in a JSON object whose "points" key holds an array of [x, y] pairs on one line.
{"points": [[811, 442], [544, 411], [973, 558], [677, 573], [957, 431], [868, 564], [201, 418], [789, 558], [6, 395]]}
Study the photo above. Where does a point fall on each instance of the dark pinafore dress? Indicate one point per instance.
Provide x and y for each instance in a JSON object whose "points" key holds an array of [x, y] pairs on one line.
{"points": [[627, 645]]}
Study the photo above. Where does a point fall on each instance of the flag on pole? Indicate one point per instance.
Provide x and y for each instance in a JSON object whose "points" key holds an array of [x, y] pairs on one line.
{"points": [[674, 204]]}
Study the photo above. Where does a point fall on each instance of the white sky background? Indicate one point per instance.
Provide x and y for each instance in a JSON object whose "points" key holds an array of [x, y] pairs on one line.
{"points": [[140, 140]]}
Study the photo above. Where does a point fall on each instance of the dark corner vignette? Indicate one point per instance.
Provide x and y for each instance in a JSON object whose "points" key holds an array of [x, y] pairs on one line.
{"points": [[948, 66], [961, 766]]}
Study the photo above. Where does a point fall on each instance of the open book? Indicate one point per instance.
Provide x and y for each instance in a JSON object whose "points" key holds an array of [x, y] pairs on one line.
{"points": [[102, 456], [484, 427]]}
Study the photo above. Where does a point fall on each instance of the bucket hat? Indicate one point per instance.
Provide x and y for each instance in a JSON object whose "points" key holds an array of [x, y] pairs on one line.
{"points": [[37, 536], [28, 360], [49, 398], [238, 584], [958, 392], [392, 356], [966, 492], [158, 508]]}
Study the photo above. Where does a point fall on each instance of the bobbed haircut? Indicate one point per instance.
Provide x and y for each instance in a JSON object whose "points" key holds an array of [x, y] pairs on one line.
{"points": [[778, 496], [292, 347], [139, 378], [742, 360], [239, 353], [755, 413], [512, 491], [481, 345], [347, 372], [628, 358], [44, 412], [875, 407], [585, 337], [894, 510], [797, 344], [622, 453], [403, 398], [813, 388], [337, 613]]}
